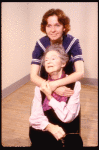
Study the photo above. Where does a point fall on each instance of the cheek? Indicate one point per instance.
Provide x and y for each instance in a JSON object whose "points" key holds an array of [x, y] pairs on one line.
{"points": [[58, 64], [47, 30], [45, 66], [61, 30]]}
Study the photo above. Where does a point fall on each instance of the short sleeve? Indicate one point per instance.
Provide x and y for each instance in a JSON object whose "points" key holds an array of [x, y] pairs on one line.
{"points": [[76, 51], [37, 54]]}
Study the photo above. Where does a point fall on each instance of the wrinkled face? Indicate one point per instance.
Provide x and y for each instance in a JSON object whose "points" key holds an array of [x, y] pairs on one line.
{"points": [[54, 29], [53, 62]]}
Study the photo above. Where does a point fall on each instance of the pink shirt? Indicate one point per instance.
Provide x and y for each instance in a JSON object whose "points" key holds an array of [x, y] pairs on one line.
{"points": [[65, 112]]}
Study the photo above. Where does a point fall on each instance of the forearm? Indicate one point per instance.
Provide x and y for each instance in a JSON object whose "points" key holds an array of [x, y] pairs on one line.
{"points": [[37, 80], [37, 118], [34, 75], [69, 79], [67, 112]]}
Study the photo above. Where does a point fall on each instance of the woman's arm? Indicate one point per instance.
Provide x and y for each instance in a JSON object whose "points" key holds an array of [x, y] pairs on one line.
{"points": [[39, 121], [37, 118], [34, 75], [77, 75], [68, 112], [37, 80], [65, 112]]}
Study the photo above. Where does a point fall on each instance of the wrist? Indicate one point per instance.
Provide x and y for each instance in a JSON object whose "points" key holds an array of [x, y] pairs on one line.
{"points": [[48, 127], [49, 97], [59, 82], [53, 85]]}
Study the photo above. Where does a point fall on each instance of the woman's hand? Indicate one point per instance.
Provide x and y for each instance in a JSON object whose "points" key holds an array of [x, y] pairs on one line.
{"points": [[56, 131], [45, 88], [64, 91]]}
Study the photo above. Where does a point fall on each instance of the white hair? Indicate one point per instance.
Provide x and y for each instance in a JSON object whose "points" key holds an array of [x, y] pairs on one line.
{"points": [[58, 48]]}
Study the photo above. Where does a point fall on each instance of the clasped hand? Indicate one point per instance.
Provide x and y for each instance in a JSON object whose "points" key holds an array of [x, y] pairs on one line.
{"points": [[56, 131], [48, 87]]}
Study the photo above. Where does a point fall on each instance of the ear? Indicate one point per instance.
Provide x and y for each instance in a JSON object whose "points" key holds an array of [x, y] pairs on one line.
{"points": [[64, 29], [63, 65]]}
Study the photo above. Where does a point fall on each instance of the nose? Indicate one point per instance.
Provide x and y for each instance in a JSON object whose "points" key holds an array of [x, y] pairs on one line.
{"points": [[48, 62], [53, 29]]}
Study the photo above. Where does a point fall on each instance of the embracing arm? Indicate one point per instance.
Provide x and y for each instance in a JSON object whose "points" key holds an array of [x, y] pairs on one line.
{"points": [[77, 75], [68, 112], [37, 80], [34, 75], [65, 112]]}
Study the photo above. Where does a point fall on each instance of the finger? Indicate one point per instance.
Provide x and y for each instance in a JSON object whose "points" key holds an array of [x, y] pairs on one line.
{"points": [[60, 136], [67, 95], [69, 92], [48, 85], [62, 132], [68, 89]]}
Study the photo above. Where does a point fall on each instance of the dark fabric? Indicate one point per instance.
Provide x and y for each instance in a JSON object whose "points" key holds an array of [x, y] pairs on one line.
{"points": [[45, 140], [72, 127], [73, 141], [75, 49]]}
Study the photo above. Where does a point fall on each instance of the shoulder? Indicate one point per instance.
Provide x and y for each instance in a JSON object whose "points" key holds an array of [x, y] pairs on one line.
{"points": [[44, 38], [68, 37], [68, 41], [45, 41]]}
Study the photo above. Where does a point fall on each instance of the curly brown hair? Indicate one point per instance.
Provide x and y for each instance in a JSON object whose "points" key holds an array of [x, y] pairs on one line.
{"points": [[62, 19]]}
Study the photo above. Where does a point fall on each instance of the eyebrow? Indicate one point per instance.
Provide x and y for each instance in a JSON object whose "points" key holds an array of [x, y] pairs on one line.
{"points": [[55, 23]]}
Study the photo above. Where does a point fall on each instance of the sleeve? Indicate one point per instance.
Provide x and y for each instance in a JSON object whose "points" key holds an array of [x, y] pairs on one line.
{"points": [[76, 51], [37, 118], [68, 112], [37, 54]]}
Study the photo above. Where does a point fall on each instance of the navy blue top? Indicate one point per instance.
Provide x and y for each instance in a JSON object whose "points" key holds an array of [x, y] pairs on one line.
{"points": [[70, 44]]}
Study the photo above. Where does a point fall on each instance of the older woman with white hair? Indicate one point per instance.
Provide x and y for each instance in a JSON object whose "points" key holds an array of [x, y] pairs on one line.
{"points": [[54, 120]]}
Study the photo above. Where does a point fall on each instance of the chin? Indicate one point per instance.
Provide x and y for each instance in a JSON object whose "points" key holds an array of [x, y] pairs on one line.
{"points": [[54, 38], [49, 72]]}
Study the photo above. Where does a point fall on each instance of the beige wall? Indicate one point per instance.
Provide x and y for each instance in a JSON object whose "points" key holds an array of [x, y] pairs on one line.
{"points": [[21, 29], [16, 55]]}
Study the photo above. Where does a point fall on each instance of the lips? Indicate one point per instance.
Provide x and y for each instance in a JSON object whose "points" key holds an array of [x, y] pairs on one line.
{"points": [[53, 34], [49, 66]]}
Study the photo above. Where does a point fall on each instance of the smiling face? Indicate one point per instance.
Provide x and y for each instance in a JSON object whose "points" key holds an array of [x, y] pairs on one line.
{"points": [[53, 63], [54, 29]]}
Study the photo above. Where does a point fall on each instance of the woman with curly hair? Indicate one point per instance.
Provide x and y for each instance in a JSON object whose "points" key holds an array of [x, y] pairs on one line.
{"points": [[55, 24]]}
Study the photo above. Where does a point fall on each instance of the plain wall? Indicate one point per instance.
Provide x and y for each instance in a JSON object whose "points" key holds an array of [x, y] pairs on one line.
{"points": [[16, 55], [21, 29]]}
